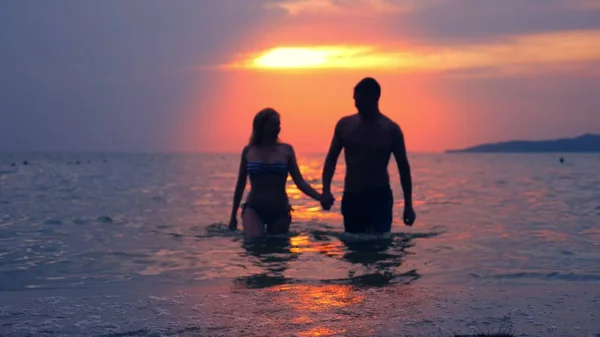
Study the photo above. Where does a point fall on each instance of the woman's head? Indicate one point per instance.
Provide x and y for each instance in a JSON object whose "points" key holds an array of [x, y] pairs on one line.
{"points": [[265, 127]]}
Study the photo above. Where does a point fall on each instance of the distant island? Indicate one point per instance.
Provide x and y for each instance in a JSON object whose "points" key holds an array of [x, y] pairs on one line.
{"points": [[583, 143]]}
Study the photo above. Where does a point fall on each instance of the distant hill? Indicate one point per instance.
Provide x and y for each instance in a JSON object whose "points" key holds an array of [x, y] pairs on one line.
{"points": [[584, 143]]}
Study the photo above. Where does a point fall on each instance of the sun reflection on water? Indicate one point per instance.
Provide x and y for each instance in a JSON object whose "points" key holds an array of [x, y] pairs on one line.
{"points": [[322, 331], [309, 301], [303, 244]]}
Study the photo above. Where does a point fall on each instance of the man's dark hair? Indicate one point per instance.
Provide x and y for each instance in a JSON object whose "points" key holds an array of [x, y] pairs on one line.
{"points": [[368, 87]]}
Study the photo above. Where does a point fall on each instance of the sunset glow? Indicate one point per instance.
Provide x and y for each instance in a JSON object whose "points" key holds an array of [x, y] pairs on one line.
{"points": [[453, 73], [306, 71], [536, 50]]}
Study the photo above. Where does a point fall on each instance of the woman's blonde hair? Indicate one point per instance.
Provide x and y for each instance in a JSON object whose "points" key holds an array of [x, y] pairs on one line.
{"points": [[258, 124]]}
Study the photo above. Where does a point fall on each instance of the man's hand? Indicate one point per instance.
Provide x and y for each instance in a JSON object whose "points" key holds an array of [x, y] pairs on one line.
{"points": [[327, 201], [409, 216], [233, 224]]}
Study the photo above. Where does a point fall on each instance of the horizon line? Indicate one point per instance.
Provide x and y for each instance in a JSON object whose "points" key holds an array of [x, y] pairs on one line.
{"points": [[13, 152]]}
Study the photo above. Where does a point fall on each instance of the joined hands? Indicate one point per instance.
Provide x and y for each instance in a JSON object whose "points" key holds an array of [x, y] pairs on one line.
{"points": [[327, 200]]}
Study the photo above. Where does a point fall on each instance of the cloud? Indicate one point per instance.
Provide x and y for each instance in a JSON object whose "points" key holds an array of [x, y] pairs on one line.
{"points": [[433, 21], [110, 75], [468, 21], [518, 54], [588, 4], [296, 7]]}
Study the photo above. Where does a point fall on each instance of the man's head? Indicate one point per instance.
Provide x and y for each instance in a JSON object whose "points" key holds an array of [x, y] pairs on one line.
{"points": [[366, 96]]}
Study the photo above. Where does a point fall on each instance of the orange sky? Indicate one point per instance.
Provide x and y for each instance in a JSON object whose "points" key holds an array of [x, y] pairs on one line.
{"points": [[189, 76], [310, 103], [305, 67], [312, 100]]}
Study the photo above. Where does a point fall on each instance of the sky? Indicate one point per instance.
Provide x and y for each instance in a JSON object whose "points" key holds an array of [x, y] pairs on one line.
{"points": [[189, 75]]}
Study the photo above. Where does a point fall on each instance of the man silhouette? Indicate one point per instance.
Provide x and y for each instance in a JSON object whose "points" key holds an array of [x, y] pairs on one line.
{"points": [[368, 139]]}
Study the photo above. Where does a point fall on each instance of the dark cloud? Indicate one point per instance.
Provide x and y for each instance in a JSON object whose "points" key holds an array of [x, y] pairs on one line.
{"points": [[468, 21], [109, 74], [116, 75]]}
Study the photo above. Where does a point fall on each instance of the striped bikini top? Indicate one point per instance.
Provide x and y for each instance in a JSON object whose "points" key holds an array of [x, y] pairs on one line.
{"points": [[259, 169]]}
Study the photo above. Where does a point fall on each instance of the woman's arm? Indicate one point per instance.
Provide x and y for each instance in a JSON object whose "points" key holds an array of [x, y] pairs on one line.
{"points": [[240, 186], [298, 179]]}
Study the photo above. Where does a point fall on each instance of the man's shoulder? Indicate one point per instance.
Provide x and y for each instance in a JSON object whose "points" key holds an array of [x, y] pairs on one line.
{"points": [[388, 120], [390, 123], [345, 120]]}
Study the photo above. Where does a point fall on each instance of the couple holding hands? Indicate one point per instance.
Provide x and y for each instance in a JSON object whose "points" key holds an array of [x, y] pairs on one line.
{"points": [[368, 139]]}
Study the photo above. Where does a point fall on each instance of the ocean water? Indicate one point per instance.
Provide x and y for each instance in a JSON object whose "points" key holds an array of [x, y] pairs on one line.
{"points": [[136, 245]]}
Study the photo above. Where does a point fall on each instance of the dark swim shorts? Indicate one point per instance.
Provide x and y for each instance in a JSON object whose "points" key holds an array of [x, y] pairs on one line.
{"points": [[368, 211]]}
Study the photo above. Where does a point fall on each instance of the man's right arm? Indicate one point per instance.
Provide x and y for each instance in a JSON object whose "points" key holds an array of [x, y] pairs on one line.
{"points": [[332, 156], [399, 150]]}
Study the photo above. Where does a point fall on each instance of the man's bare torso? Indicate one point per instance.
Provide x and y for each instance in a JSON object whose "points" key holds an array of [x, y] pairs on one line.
{"points": [[367, 149]]}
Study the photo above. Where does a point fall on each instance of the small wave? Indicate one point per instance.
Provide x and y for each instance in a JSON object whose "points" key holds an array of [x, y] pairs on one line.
{"points": [[78, 221], [105, 219], [378, 279], [372, 237], [218, 230], [572, 277], [444, 203], [375, 279], [140, 332], [147, 332]]}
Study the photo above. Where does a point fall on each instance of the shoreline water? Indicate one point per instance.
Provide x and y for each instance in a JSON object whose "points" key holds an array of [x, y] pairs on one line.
{"points": [[534, 310], [136, 247]]}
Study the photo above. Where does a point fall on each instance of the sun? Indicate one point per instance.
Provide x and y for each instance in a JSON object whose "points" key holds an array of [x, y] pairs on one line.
{"points": [[310, 57], [293, 57]]}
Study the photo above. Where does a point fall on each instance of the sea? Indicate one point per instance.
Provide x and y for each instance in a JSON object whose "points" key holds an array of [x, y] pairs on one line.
{"points": [[114, 245]]}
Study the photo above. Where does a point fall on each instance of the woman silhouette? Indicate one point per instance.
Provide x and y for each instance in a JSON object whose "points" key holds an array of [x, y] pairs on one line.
{"points": [[267, 162]]}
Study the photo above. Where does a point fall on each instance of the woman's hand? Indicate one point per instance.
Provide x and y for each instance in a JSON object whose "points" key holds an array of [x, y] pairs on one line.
{"points": [[232, 224], [327, 201]]}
